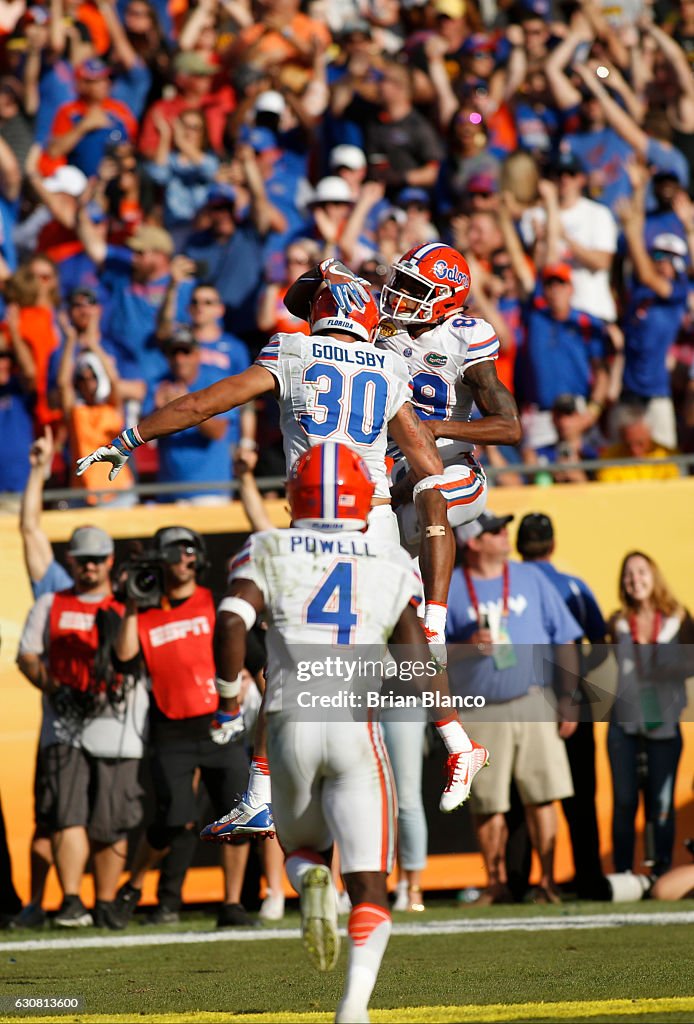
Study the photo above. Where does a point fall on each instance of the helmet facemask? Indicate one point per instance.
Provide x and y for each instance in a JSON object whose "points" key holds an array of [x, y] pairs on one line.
{"points": [[406, 287]]}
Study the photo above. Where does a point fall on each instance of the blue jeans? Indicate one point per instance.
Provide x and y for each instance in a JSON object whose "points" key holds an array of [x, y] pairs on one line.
{"points": [[662, 758], [405, 744]]}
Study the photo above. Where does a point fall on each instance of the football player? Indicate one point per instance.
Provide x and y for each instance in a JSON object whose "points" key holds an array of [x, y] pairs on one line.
{"points": [[450, 357], [328, 587]]}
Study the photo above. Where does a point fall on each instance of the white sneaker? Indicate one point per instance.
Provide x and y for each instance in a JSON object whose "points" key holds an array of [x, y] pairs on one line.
{"points": [[344, 903], [348, 1015], [401, 901], [319, 918], [462, 769], [272, 907]]}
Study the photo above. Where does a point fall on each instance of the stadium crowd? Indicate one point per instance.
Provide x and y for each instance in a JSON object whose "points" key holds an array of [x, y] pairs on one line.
{"points": [[166, 171]]}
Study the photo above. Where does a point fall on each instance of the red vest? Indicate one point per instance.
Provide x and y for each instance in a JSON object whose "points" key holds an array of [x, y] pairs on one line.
{"points": [[177, 647], [74, 639]]}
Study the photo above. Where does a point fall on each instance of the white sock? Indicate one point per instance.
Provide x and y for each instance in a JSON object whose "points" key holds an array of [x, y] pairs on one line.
{"points": [[453, 735], [369, 930], [259, 790], [435, 617], [298, 863]]}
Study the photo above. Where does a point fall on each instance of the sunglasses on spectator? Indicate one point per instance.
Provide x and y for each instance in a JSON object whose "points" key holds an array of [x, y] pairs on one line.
{"points": [[93, 559], [499, 269], [6, 354], [483, 195], [204, 302], [181, 350], [497, 531], [82, 303]]}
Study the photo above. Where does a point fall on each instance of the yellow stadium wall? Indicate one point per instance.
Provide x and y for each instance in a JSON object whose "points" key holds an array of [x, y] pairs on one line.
{"points": [[595, 526]]}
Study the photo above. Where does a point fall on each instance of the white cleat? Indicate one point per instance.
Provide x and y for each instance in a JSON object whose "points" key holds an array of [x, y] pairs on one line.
{"points": [[348, 1015], [319, 918], [462, 769], [272, 907]]}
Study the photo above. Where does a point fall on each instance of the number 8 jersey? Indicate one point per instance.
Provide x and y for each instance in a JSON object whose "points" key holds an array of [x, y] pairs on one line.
{"points": [[437, 361], [345, 391]]}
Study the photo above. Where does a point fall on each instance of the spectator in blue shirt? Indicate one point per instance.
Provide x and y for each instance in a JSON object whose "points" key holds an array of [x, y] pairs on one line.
{"points": [[184, 166], [509, 624], [201, 454], [535, 544], [136, 278], [564, 353], [654, 315], [17, 398], [231, 248]]}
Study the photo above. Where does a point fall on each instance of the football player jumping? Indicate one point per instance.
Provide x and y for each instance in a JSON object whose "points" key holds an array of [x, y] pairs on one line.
{"points": [[327, 584]]}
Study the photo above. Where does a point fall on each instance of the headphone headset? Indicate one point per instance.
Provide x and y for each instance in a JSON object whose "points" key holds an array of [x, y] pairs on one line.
{"points": [[181, 535]]}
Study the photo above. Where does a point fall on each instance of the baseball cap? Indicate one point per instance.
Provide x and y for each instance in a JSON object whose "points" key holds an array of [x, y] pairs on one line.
{"points": [[356, 26], [260, 139], [169, 535], [149, 237], [534, 528], [192, 63], [479, 42], [413, 195], [68, 179], [486, 523], [89, 540], [36, 16], [566, 404], [537, 8], [83, 293], [450, 8], [391, 213], [557, 272], [220, 194], [669, 244], [270, 102], [12, 85], [181, 337], [569, 162], [92, 70], [331, 190], [481, 183], [347, 156]]}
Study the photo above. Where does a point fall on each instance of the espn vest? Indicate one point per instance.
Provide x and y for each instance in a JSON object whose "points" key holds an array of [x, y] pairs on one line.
{"points": [[177, 648], [74, 638]]}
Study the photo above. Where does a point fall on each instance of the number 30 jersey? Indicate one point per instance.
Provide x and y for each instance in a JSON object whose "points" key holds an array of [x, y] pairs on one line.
{"points": [[339, 391], [437, 361], [345, 592]]}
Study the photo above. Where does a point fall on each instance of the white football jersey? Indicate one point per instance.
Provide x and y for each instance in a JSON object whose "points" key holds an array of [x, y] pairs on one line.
{"points": [[345, 593], [331, 390], [437, 361]]}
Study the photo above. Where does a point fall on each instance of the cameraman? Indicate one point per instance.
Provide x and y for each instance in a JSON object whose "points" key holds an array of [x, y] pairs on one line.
{"points": [[188, 733], [87, 790]]}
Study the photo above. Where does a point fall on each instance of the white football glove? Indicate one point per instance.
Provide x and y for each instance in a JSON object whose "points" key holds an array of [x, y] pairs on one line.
{"points": [[107, 453], [348, 290], [226, 728]]}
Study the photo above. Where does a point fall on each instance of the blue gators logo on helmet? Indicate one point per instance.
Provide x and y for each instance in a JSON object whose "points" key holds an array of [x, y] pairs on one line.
{"points": [[446, 273], [435, 359]]}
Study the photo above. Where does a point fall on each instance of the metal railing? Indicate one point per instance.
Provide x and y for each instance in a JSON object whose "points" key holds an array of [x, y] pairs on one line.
{"points": [[269, 483]]}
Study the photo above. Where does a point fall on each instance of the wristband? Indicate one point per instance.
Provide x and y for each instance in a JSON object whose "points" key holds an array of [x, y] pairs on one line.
{"points": [[238, 606], [225, 689], [249, 444], [128, 440]]}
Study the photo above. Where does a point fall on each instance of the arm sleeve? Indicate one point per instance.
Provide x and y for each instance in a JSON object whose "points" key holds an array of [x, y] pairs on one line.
{"points": [[248, 564], [33, 638], [479, 337]]}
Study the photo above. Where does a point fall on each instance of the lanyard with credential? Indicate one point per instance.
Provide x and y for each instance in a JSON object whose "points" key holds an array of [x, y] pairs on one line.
{"points": [[506, 590]]}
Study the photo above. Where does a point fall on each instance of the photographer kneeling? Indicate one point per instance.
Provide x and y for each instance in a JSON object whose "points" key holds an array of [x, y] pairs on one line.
{"points": [[169, 623]]}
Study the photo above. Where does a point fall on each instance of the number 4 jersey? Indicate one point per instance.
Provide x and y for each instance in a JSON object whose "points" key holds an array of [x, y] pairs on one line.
{"points": [[339, 391], [345, 593], [437, 361]]}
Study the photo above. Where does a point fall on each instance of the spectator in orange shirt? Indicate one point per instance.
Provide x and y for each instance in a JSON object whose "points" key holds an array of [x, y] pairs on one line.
{"points": [[83, 128], [91, 404], [281, 34], [196, 91], [273, 315]]}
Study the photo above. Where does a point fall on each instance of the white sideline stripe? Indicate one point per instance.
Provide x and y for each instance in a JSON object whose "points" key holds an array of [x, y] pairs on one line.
{"points": [[457, 927]]}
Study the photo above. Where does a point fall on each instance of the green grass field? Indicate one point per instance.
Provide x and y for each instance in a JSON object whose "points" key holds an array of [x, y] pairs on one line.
{"points": [[487, 976]]}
